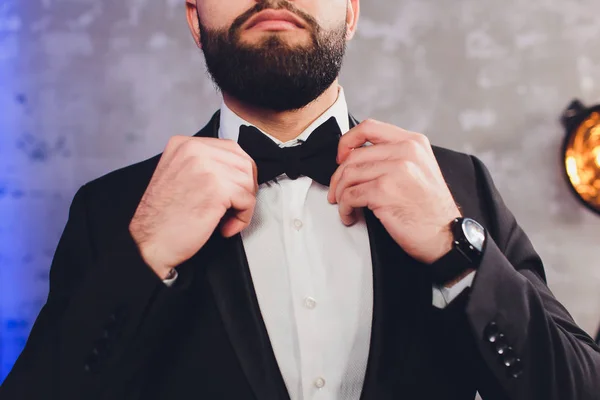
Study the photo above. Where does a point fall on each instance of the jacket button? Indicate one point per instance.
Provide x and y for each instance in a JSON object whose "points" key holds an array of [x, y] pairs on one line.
{"points": [[502, 347], [516, 369], [509, 358], [498, 340], [495, 337], [491, 332]]}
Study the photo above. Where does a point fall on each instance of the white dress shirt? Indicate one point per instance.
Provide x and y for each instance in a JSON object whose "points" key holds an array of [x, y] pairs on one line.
{"points": [[313, 277]]}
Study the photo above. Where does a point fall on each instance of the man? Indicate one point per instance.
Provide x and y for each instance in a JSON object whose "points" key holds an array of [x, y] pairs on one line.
{"points": [[248, 263]]}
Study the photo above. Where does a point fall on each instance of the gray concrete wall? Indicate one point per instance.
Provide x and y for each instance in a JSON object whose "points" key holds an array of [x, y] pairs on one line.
{"points": [[88, 86]]}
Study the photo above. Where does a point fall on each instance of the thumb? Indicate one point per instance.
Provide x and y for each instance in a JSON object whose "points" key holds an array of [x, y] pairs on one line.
{"points": [[231, 225]]}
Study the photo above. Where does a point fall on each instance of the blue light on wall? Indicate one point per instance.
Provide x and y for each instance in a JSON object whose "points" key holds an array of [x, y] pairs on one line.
{"points": [[11, 242]]}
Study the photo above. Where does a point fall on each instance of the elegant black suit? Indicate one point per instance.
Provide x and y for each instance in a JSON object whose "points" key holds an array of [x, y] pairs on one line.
{"points": [[112, 330]]}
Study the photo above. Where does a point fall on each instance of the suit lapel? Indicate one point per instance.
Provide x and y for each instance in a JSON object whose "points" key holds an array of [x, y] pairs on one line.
{"points": [[229, 275], [236, 300]]}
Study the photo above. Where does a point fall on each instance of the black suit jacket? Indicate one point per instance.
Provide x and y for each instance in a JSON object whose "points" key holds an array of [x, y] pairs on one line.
{"points": [[112, 330]]}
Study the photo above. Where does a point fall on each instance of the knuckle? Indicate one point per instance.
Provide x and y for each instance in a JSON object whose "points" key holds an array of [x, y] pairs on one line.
{"points": [[371, 122], [249, 165], [346, 196], [346, 172], [235, 148], [209, 181], [385, 185], [423, 140], [231, 145], [351, 169], [191, 147], [382, 184], [177, 139], [197, 165], [364, 165], [356, 191], [251, 201], [351, 157], [413, 146], [350, 193], [173, 143]]}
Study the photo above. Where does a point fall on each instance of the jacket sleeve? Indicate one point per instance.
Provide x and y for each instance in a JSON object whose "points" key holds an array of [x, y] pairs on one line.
{"points": [[529, 343], [95, 309]]}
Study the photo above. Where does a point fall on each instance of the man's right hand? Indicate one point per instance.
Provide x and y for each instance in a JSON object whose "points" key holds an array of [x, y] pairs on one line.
{"points": [[196, 183]]}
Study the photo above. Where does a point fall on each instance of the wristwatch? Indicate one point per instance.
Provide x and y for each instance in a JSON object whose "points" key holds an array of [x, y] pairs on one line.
{"points": [[467, 250]]}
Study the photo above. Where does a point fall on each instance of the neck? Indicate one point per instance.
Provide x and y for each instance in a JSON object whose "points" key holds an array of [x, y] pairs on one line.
{"points": [[286, 125]]}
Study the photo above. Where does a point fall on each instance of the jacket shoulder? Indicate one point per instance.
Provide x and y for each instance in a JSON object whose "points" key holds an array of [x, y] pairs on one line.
{"points": [[126, 181], [111, 200], [457, 167], [468, 182]]}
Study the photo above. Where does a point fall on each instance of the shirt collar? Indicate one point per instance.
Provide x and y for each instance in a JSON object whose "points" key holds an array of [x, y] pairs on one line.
{"points": [[229, 127]]}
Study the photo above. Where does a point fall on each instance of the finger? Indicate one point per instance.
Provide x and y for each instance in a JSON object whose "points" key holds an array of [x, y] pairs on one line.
{"points": [[357, 173], [371, 131], [204, 157], [352, 198], [205, 148], [174, 143], [193, 145], [226, 144], [237, 180], [374, 132], [245, 165], [244, 162], [359, 156], [240, 215], [198, 146], [255, 176]]}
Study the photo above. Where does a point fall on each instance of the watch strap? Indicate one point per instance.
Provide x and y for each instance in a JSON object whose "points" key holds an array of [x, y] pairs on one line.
{"points": [[449, 267]]}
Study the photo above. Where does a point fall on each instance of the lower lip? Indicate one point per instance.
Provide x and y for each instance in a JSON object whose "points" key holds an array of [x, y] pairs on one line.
{"points": [[275, 25]]}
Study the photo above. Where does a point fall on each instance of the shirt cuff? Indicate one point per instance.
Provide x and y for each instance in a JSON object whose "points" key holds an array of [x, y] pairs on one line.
{"points": [[443, 296], [169, 282]]}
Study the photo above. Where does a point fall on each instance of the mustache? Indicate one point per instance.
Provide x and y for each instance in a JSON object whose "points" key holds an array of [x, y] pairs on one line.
{"points": [[273, 5]]}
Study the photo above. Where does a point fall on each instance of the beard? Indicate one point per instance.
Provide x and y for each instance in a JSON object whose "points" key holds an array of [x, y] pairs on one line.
{"points": [[272, 74]]}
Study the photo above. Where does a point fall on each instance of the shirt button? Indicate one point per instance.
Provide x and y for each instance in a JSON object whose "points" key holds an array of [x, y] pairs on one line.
{"points": [[298, 224], [310, 303], [319, 383]]}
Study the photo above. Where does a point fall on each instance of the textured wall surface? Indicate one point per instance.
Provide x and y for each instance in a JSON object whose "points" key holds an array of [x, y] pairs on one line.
{"points": [[88, 86]]}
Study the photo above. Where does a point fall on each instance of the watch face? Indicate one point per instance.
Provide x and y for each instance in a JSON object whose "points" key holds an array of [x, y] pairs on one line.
{"points": [[474, 233]]}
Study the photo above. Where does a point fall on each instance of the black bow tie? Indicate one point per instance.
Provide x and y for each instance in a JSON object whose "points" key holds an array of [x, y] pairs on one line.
{"points": [[315, 158]]}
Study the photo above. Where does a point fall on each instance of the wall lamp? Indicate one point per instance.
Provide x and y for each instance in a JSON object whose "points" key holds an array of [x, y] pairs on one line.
{"points": [[581, 152]]}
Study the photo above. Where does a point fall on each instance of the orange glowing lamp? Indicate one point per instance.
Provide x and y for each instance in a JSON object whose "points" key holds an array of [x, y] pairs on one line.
{"points": [[581, 152]]}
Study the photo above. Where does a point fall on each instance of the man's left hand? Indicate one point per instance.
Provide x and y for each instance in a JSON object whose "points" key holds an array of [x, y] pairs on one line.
{"points": [[400, 181]]}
